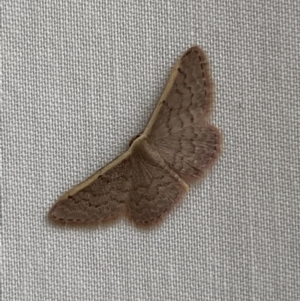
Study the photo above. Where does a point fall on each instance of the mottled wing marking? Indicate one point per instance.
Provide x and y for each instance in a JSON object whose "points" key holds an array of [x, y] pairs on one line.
{"points": [[197, 148], [181, 130], [155, 187], [101, 201]]}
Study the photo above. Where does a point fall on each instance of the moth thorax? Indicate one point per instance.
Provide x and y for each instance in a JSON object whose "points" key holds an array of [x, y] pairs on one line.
{"points": [[134, 138]]}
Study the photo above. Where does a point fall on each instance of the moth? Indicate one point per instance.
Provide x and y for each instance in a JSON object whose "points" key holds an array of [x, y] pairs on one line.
{"points": [[177, 147]]}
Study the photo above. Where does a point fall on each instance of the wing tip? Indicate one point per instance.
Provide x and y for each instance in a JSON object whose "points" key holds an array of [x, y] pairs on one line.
{"points": [[198, 49]]}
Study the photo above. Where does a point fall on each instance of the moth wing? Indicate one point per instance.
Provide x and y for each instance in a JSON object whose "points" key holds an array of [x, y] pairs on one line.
{"points": [[98, 199], [191, 151], [179, 126], [155, 187]]}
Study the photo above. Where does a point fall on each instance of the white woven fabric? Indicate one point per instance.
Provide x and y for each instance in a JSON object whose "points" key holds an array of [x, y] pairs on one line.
{"points": [[80, 79]]}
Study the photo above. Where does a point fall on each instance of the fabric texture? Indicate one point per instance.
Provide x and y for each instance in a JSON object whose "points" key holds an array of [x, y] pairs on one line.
{"points": [[80, 79]]}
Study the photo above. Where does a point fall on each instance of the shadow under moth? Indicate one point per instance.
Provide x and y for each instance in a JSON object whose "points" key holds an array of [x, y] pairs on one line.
{"points": [[176, 148]]}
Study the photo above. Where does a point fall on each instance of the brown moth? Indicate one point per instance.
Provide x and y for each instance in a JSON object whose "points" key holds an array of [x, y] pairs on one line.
{"points": [[176, 148]]}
